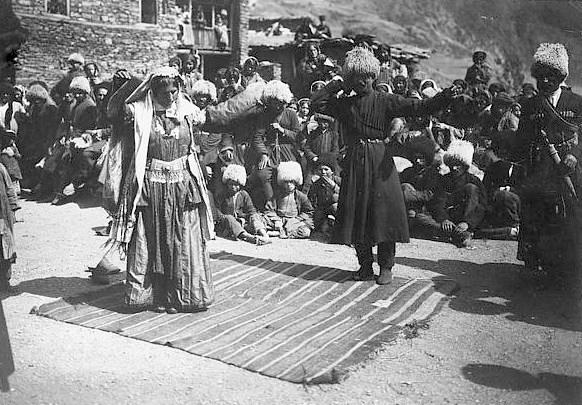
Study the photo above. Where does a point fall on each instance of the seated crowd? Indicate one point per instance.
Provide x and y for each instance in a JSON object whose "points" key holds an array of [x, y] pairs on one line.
{"points": [[273, 166]]}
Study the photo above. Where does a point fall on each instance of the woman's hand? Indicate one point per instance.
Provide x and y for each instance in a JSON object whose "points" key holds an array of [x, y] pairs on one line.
{"points": [[447, 226], [263, 162]]}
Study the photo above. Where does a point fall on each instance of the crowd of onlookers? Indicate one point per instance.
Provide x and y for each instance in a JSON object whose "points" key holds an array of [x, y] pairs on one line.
{"points": [[275, 169]]}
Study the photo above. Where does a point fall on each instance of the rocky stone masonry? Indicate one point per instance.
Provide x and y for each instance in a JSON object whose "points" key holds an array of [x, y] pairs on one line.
{"points": [[108, 32], [52, 39], [121, 12]]}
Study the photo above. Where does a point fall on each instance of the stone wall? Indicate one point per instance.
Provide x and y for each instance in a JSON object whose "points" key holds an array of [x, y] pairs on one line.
{"points": [[52, 39], [121, 12], [108, 32]]}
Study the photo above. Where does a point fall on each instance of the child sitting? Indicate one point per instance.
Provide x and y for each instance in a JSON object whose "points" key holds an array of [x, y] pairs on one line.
{"points": [[234, 212], [290, 214], [324, 193]]}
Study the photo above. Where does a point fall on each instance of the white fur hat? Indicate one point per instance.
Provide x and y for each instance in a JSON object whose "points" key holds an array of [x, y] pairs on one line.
{"points": [[361, 61], [236, 173], [289, 171], [204, 88], [553, 56], [461, 151], [80, 83], [76, 57], [276, 89]]}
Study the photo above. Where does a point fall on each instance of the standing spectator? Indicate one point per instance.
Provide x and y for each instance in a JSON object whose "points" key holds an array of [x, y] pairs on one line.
{"points": [[249, 72], [389, 67], [11, 111], [478, 74], [75, 62], [92, 72], [323, 29], [8, 204], [9, 157], [190, 72]]}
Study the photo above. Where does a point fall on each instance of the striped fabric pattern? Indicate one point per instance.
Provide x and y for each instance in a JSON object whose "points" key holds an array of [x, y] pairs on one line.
{"points": [[297, 322]]}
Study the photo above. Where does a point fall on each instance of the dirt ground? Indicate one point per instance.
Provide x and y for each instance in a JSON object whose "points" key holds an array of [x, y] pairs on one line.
{"points": [[499, 340]]}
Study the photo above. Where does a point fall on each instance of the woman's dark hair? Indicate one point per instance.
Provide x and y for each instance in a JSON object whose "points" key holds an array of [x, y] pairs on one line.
{"points": [[160, 82], [86, 67]]}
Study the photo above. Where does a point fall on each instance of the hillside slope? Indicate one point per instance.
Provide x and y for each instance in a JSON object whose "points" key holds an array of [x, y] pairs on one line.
{"points": [[508, 30]]}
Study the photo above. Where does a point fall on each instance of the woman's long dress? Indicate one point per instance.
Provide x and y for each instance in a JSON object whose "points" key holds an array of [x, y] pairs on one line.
{"points": [[168, 262]]}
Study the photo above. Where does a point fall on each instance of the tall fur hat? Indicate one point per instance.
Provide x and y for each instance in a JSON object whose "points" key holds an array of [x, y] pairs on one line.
{"points": [[553, 56], [289, 171], [76, 57], [277, 90], [461, 151], [236, 173], [80, 83], [361, 61], [37, 91], [204, 88]]}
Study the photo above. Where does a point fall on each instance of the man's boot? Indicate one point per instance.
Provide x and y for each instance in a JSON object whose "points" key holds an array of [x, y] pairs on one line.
{"points": [[386, 253], [365, 273], [365, 258], [385, 276]]}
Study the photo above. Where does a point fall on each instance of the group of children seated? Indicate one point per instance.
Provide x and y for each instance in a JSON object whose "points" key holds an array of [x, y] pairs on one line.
{"points": [[292, 213]]}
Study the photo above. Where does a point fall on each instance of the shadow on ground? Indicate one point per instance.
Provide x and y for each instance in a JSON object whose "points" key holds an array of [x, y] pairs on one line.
{"points": [[566, 389], [500, 288], [83, 198]]}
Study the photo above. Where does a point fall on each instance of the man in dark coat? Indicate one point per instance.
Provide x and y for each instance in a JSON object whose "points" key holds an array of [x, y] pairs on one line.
{"points": [[371, 207], [478, 74], [549, 128]]}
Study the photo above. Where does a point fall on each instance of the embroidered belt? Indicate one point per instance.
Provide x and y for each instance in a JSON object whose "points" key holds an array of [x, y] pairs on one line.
{"points": [[373, 140], [160, 171]]}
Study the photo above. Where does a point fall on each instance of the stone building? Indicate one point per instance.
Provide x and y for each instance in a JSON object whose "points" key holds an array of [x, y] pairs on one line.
{"points": [[132, 34]]}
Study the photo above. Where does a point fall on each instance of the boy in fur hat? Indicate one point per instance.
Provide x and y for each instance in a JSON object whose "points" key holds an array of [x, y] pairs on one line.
{"points": [[324, 193], [460, 201], [234, 212], [290, 213], [371, 209], [553, 183]]}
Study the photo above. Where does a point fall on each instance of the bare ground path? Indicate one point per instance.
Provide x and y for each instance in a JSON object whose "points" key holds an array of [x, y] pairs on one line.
{"points": [[498, 341]]}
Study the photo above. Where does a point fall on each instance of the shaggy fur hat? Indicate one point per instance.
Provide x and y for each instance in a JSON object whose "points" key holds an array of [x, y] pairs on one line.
{"points": [[80, 83], [236, 173], [289, 171], [76, 57], [204, 88], [552, 56], [276, 90], [361, 61], [461, 151], [37, 91]]}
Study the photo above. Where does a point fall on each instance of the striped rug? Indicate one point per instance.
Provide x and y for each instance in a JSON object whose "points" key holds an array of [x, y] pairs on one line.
{"points": [[297, 322]]}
